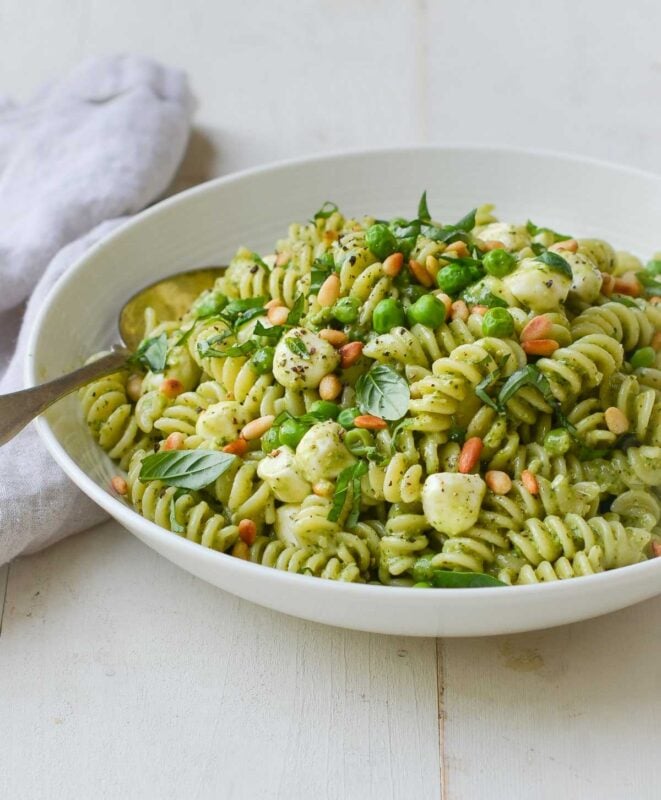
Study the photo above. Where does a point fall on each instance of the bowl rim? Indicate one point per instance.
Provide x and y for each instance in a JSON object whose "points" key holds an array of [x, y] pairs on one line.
{"points": [[127, 516]]}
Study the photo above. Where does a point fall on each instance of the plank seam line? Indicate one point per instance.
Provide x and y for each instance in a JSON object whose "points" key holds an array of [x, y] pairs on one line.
{"points": [[4, 597], [440, 705]]}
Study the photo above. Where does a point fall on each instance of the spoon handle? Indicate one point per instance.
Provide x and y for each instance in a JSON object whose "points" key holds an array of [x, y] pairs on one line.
{"points": [[19, 408]]}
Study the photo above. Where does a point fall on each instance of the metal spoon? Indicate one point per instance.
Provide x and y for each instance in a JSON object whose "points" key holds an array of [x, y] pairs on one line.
{"points": [[170, 298]]}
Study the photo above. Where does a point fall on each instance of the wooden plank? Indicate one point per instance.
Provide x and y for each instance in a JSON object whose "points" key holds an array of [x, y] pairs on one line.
{"points": [[569, 713], [130, 678]]}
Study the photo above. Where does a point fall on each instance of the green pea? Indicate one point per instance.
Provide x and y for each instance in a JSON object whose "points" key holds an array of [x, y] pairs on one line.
{"points": [[557, 442], [262, 361], [346, 417], [388, 314], [346, 310], [498, 322], [454, 278], [499, 262], [358, 441], [427, 310], [380, 240], [644, 357], [324, 409], [291, 432], [271, 440]]}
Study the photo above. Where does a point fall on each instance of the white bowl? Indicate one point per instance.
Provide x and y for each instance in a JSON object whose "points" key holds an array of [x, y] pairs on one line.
{"points": [[206, 224]]}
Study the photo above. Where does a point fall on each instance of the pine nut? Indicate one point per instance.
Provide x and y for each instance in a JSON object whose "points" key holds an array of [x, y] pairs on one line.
{"points": [[655, 300], [616, 420], [175, 441], [420, 273], [529, 481], [499, 482], [656, 549], [459, 248], [119, 484], [607, 284], [273, 303], [282, 259], [370, 423], [470, 454], [628, 284], [350, 353], [392, 265], [171, 387], [459, 310], [239, 447], [323, 489], [336, 338], [447, 302], [656, 341], [481, 310], [571, 245], [257, 428], [247, 531], [277, 315], [330, 387], [540, 347], [493, 244], [538, 328], [329, 291], [134, 388], [432, 265], [241, 550]]}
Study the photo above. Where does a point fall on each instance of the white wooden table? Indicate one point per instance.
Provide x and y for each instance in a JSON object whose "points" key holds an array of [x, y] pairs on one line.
{"points": [[122, 676]]}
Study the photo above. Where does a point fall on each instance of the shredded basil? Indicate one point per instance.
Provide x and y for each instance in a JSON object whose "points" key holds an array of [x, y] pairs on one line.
{"points": [[526, 376], [534, 230], [326, 210], [349, 477], [186, 469], [297, 346], [423, 209]]}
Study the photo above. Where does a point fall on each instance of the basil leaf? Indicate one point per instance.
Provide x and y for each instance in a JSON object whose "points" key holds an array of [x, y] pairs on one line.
{"points": [[317, 277], [556, 262], [326, 210], [359, 470], [294, 316], [624, 300], [237, 312], [447, 579], [185, 335], [526, 376], [186, 469], [533, 230], [479, 295], [383, 393], [457, 434], [423, 209], [152, 353], [272, 334], [537, 248], [297, 346]]}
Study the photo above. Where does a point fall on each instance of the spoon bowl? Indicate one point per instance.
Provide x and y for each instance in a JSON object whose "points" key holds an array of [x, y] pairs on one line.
{"points": [[170, 298]]}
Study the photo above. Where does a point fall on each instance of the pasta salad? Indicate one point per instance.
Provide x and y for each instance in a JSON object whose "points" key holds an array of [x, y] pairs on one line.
{"points": [[403, 402]]}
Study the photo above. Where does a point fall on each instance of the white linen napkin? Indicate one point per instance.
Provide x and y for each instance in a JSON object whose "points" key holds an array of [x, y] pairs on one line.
{"points": [[86, 152]]}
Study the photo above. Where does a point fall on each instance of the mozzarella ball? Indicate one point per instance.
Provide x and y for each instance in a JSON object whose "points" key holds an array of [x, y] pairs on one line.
{"points": [[285, 518], [538, 286], [586, 280], [321, 453], [280, 471], [295, 370], [452, 501], [222, 421]]}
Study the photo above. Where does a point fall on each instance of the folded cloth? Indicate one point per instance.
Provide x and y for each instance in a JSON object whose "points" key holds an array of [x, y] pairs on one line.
{"points": [[88, 151]]}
